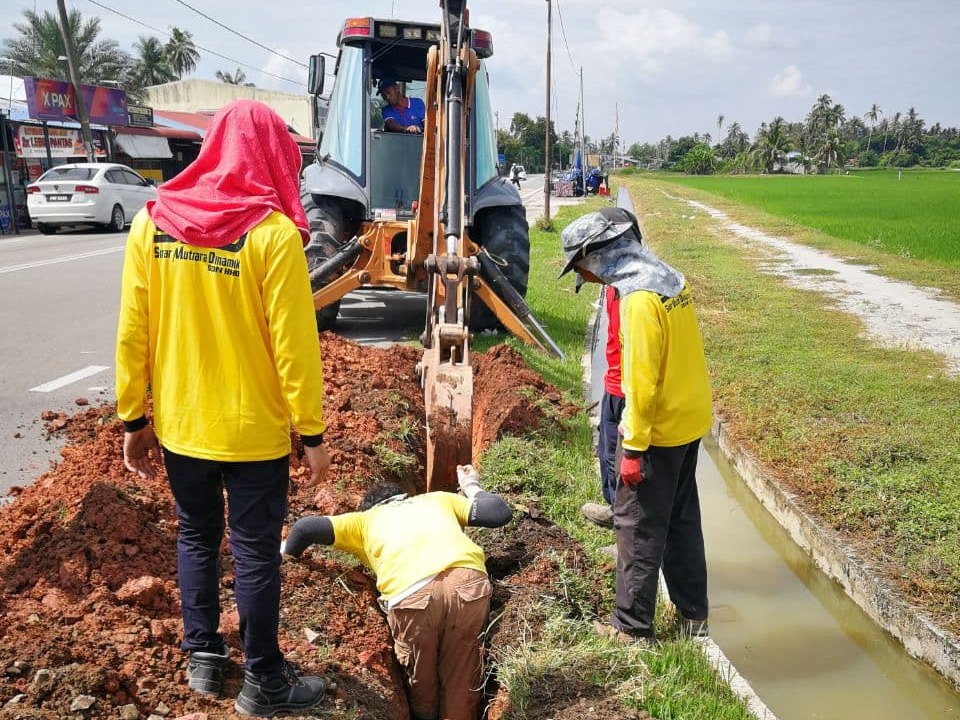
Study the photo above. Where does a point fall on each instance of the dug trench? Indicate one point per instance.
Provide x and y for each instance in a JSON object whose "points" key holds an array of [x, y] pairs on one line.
{"points": [[89, 608]]}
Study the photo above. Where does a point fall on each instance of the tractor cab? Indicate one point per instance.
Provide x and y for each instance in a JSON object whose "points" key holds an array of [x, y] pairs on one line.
{"points": [[358, 159]]}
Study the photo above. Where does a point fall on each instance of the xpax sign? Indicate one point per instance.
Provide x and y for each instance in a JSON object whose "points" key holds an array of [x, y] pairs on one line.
{"points": [[55, 100]]}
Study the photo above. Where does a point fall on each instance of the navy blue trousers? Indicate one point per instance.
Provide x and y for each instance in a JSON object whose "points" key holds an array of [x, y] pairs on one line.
{"points": [[658, 525], [611, 410], [256, 507]]}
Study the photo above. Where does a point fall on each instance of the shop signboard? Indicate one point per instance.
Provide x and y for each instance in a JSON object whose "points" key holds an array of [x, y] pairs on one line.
{"points": [[55, 100], [140, 116], [28, 142]]}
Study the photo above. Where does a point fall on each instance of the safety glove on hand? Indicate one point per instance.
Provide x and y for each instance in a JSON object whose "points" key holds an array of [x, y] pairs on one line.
{"points": [[469, 480], [631, 470]]}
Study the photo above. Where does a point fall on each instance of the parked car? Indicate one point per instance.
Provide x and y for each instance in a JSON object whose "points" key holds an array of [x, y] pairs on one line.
{"points": [[104, 194]]}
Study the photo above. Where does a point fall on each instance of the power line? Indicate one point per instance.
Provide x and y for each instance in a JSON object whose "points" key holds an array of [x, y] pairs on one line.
{"points": [[240, 35], [199, 47], [563, 31]]}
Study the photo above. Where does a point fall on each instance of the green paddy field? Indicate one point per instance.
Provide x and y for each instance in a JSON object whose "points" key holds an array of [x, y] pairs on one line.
{"points": [[910, 214]]}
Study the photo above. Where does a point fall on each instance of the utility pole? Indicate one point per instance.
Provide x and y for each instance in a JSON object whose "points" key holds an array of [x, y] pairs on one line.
{"points": [[546, 151], [75, 81], [583, 144], [616, 132]]}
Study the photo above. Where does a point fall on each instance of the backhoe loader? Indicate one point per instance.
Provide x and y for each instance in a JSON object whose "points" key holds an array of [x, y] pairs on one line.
{"points": [[424, 211]]}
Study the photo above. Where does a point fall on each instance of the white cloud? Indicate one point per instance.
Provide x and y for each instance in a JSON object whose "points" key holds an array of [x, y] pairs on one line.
{"points": [[646, 39], [760, 36], [789, 82]]}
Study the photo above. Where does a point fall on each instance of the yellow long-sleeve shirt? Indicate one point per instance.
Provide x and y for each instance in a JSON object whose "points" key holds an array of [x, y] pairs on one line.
{"points": [[225, 338], [406, 541], [665, 378]]}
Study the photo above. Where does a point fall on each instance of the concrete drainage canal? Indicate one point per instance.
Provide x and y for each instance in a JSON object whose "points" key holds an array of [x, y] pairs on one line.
{"points": [[807, 650]]}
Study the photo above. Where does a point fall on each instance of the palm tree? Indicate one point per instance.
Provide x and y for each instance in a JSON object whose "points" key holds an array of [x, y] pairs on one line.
{"points": [[36, 50], [830, 151], [152, 66], [181, 52], [736, 140], [238, 78], [772, 144], [872, 115], [720, 120]]}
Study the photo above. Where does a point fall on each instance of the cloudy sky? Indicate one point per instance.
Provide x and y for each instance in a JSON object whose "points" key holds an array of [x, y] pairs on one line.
{"points": [[664, 67]]}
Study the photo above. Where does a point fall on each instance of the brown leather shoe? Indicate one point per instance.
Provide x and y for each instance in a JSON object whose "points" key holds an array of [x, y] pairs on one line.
{"points": [[619, 636], [598, 513], [692, 628]]}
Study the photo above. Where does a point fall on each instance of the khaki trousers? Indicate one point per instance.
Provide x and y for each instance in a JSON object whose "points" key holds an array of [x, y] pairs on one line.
{"points": [[437, 635]]}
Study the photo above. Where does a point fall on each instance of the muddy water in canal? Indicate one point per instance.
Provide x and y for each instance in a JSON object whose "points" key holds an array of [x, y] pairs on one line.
{"points": [[807, 650]]}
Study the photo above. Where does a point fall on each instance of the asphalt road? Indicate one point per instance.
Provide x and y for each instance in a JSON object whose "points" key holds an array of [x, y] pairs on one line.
{"points": [[59, 297], [60, 294]]}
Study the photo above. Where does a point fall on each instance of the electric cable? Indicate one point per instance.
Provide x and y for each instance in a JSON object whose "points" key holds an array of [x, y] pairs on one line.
{"points": [[199, 47], [563, 31], [240, 35]]}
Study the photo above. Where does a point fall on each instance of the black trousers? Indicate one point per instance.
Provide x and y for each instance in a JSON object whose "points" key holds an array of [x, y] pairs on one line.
{"points": [[658, 525], [256, 508]]}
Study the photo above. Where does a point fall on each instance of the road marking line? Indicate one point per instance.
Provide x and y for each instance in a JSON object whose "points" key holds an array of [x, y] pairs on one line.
{"points": [[71, 378], [62, 259]]}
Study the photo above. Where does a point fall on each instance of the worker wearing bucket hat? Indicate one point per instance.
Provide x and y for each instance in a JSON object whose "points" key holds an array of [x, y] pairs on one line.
{"points": [[667, 410]]}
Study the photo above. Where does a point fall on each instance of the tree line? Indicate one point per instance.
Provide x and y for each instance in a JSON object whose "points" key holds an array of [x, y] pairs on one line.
{"points": [[826, 140]]}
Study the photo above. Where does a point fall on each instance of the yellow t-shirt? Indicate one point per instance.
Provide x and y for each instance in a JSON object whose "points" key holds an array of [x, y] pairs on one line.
{"points": [[408, 540], [665, 378], [225, 338]]}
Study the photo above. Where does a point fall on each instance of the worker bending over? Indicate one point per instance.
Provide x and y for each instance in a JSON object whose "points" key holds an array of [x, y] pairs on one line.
{"points": [[432, 582]]}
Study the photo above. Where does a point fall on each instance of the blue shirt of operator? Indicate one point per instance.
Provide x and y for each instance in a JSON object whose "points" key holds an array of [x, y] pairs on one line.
{"points": [[413, 114]]}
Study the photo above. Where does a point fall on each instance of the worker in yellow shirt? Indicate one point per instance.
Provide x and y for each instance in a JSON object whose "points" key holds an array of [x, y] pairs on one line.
{"points": [[432, 582], [217, 320], [667, 410]]}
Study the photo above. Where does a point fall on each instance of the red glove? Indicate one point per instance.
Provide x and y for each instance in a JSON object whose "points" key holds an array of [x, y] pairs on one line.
{"points": [[631, 470]]}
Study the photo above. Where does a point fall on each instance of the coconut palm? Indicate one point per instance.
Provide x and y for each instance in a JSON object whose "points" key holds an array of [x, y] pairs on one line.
{"points": [[830, 151], [152, 66], [181, 52], [873, 114], [36, 50], [238, 78], [736, 141], [772, 144], [720, 120]]}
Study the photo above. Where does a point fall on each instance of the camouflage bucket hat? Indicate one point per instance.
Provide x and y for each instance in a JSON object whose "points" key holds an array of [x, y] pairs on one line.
{"points": [[594, 231]]}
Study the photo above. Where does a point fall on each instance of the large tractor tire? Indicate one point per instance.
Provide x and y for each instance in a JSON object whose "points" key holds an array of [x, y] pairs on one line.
{"points": [[329, 230], [504, 233]]}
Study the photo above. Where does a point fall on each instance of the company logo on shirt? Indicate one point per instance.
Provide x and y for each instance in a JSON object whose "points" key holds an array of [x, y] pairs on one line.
{"points": [[216, 262]]}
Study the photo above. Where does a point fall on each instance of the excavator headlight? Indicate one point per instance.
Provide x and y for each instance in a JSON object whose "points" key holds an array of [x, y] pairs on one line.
{"points": [[386, 31], [412, 33], [433, 35]]}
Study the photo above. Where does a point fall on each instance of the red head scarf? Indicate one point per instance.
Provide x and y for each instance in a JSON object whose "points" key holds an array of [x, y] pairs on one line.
{"points": [[248, 165]]}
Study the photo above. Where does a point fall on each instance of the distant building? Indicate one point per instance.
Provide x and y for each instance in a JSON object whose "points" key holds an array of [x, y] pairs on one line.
{"points": [[195, 95], [795, 164]]}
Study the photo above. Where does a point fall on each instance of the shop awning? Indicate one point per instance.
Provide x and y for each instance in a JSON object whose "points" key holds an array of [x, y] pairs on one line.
{"points": [[144, 146]]}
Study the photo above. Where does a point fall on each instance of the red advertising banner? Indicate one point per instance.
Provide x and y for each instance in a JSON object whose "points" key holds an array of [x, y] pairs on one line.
{"points": [[55, 100]]}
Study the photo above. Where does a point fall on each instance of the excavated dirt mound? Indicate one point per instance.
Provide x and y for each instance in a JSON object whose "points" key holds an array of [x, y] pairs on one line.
{"points": [[89, 609]]}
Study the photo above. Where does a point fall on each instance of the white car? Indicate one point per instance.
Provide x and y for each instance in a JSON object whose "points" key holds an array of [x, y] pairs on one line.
{"points": [[521, 173], [105, 194]]}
